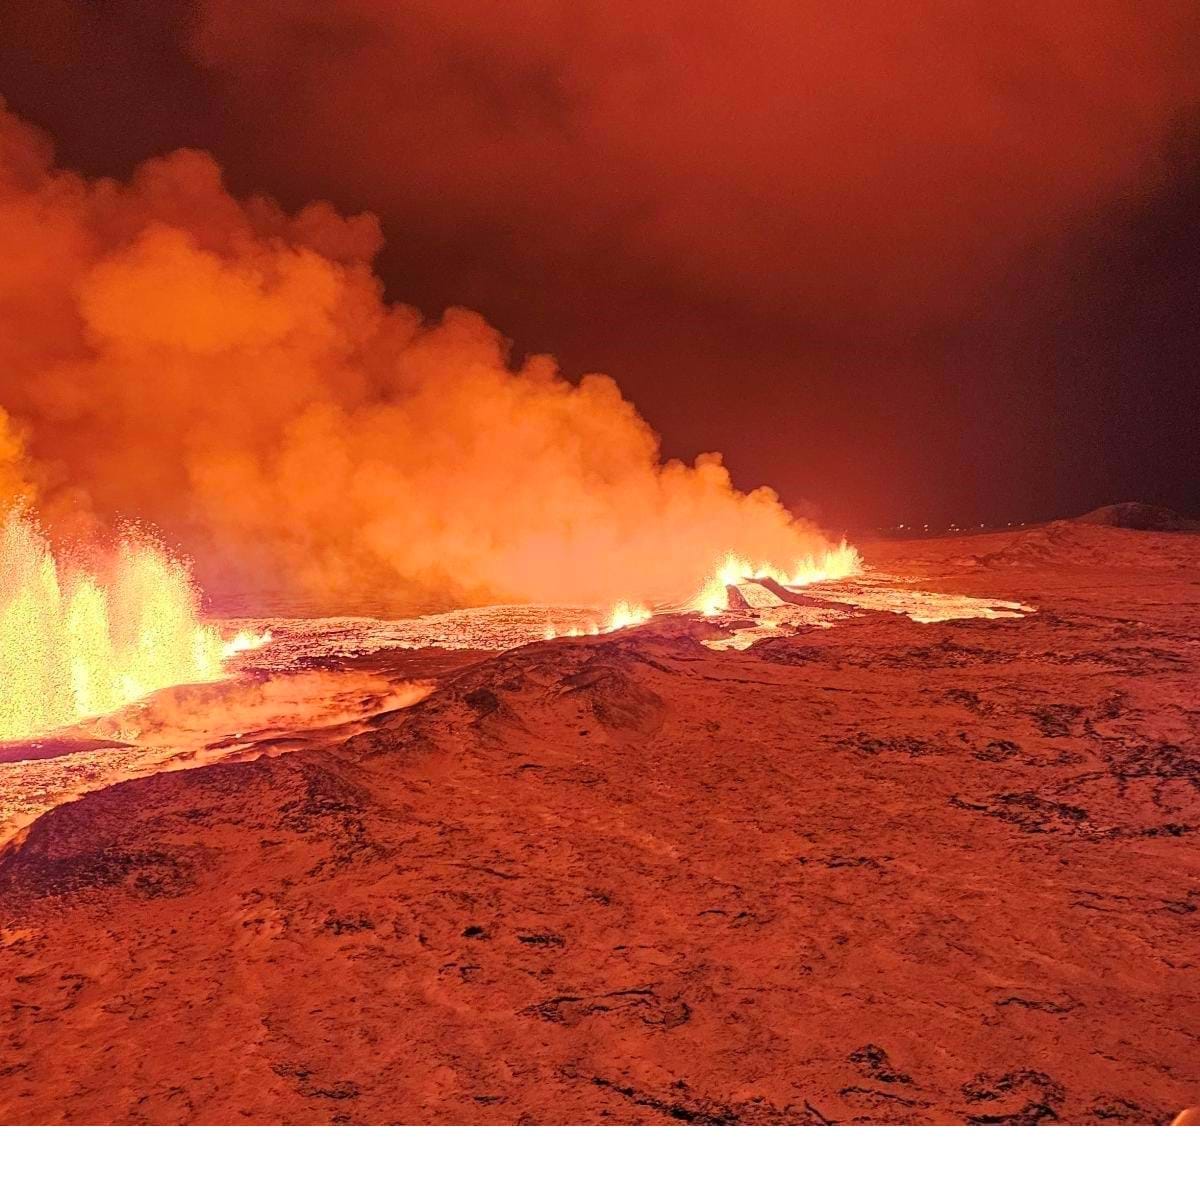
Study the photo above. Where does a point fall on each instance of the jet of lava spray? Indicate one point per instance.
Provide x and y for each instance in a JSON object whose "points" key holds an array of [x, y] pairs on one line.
{"points": [[623, 615], [74, 644], [838, 562]]}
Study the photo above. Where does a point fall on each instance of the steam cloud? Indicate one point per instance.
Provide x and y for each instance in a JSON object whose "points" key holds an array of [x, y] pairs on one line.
{"points": [[232, 374]]}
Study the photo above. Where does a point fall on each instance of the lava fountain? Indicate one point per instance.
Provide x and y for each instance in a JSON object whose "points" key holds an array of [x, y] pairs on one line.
{"points": [[838, 562], [75, 644]]}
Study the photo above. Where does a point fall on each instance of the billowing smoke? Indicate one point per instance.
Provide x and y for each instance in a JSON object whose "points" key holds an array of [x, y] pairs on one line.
{"points": [[232, 374]]}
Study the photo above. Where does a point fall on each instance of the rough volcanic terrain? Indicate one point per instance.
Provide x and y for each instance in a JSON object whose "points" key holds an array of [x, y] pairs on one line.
{"points": [[875, 870]]}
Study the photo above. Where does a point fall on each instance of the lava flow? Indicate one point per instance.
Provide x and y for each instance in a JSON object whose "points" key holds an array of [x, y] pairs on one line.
{"points": [[76, 643]]}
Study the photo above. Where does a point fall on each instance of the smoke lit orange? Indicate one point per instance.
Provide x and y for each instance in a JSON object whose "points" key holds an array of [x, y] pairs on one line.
{"points": [[235, 377]]}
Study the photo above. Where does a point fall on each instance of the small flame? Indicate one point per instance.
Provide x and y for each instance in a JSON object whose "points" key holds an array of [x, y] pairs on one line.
{"points": [[244, 640], [625, 614], [575, 631]]}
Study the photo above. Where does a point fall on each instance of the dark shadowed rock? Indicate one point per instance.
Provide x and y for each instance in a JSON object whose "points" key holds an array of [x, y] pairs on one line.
{"points": [[1139, 516]]}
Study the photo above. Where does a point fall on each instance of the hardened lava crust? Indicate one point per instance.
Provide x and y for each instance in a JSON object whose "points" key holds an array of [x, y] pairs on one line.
{"points": [[872, 870]]}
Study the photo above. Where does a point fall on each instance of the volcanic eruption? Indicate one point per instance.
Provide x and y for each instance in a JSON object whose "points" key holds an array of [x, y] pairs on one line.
{"points": [[394, 729], [232, 375], [76, 643]]}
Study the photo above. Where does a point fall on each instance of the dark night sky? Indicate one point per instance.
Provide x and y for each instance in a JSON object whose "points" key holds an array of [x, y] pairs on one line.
{"points": [[906, 262]]}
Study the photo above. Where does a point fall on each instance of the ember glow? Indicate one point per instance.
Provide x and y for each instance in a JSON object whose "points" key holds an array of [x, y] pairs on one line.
{"points": [[76, 643]]}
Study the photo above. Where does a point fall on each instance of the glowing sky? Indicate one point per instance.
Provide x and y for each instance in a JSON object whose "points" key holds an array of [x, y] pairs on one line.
{"points": [[931, 261]]}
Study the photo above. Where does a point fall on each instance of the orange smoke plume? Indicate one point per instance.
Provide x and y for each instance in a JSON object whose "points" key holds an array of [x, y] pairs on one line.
{"points": [[233, 375]]}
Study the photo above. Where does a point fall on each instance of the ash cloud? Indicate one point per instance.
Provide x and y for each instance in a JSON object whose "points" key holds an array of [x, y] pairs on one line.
{"points": [[231, 373], [874, 252]]}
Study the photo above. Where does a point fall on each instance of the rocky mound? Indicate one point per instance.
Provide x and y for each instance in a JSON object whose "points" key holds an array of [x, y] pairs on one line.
{"points": [[1133, 515]]}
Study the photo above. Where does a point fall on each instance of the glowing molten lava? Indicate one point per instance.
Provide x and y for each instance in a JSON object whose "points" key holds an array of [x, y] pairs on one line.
{"points": [[623, 615], [244, 640], [837, 563], [74, 644]]}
